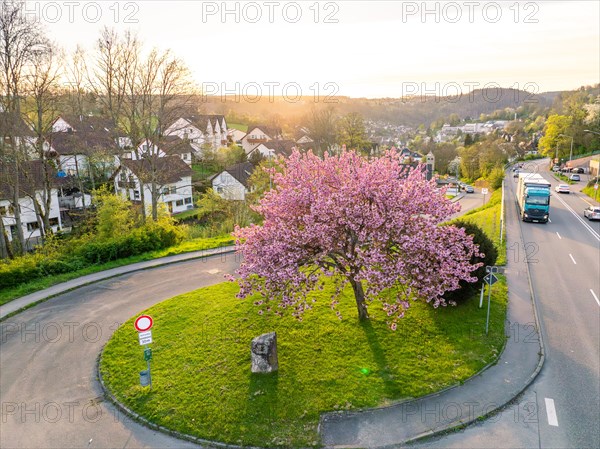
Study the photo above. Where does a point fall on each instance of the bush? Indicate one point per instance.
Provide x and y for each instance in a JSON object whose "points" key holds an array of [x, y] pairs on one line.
{"points": [[487, 247]]}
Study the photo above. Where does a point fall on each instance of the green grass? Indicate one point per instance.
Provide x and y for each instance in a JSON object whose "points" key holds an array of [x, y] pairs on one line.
{"points": [[239, 126], [591, 192], [487, 217], [9, 294], [202, 384]]}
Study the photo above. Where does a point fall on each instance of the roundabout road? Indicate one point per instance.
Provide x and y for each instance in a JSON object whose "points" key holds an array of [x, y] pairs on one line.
{"points": [[49, 394]]}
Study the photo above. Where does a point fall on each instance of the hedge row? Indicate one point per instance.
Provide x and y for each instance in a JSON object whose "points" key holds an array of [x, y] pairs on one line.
{"points": [[80, 254]]}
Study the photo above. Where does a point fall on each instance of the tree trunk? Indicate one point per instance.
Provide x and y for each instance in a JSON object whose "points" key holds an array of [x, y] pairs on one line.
{"points": [[359, 295]]}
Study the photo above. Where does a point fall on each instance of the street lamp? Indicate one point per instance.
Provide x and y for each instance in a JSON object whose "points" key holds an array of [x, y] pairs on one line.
{"points": [[571, 153]]}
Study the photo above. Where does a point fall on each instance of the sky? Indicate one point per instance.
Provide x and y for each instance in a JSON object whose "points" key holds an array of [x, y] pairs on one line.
{"points": [[367, 49]]}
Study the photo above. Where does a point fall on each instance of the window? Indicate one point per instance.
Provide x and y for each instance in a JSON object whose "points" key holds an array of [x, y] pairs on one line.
{"points": [[219, 189], [123, 177], [136, 194], [2, 211], [179, 203], [34, 225], [188, 201], [53, 221], [184, 156]]}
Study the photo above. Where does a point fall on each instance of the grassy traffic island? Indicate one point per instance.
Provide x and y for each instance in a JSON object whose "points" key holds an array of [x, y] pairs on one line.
{"points": [[201, 380]]}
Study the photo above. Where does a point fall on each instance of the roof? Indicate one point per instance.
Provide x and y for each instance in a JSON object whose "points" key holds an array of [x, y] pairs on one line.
{"points": [[167, 169], [201, 121], [241, 172], [89, 123], [271, 131], [13, 125], [31, 177], [281, 147], [173, 145], [67, 143]]}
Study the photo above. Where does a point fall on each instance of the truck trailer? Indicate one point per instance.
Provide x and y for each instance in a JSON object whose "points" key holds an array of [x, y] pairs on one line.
{"points": [[533, 197]]}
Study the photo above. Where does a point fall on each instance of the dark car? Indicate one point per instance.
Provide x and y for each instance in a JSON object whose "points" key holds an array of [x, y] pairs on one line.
{"points": [[578, 170], [469, 189]]}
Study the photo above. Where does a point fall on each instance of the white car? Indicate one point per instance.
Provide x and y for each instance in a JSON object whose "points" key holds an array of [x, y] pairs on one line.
{"points": [[592, 213], [562, 188]]}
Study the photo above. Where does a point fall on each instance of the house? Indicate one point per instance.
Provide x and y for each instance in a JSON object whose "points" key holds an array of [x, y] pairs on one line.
{"points": [[274, 148], [200, 130], [170, 174], [232, 183], [13, 126], [235, 136], [406, 156], [259, 134], [31, 186], [73, 150], [169, 146]]}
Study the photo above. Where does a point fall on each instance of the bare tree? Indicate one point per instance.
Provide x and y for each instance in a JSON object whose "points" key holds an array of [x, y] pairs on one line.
{"points": [[322, 129], [41, 85], [20, 39]]}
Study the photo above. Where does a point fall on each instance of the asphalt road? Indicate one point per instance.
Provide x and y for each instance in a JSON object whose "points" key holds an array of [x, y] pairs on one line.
{"points": [[561, 408], [49, 394]]}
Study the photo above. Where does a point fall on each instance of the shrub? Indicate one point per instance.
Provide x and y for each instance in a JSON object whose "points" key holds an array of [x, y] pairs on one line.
{"points": [[487, 247]]}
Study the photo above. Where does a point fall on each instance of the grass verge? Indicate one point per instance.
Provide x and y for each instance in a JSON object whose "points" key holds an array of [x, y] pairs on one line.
{"points": [[9, 294], [202, 384]]}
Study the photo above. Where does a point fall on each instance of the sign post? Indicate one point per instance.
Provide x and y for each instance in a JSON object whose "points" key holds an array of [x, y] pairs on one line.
{"points": [[484, 192], [490, 279], [143, 324]]}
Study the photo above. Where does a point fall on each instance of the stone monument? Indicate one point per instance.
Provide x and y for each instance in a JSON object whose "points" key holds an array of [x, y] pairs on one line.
{"points": [[264, 353]]}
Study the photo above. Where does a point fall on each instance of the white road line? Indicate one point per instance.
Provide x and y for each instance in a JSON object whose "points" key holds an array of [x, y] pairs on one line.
{"points": [[551, 411], [558, 235], [587, 226], [549, 221], [595, 297], [571, 256]]}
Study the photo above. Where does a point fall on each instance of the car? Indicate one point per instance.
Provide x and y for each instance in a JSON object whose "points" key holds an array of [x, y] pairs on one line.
{"points": [[578, 170], [574, 178], [516, 175], [556, 168], [592, 213], [562, 188], [469, 189]]}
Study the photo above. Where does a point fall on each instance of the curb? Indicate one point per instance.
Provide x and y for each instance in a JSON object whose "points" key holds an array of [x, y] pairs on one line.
{"points": [[217, 251]]}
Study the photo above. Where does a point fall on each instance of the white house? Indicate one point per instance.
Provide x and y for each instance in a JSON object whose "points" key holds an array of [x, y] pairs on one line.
{"points": [[31, 186], [235, 135], [259, 134], [274, 148], [169, 146], [232, 183], [171, 175], [201, 130]]}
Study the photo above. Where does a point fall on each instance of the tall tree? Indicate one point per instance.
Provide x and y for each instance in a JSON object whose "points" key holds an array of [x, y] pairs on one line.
{"points": [[21, 37], [352, 132], [363, 222], [322, 129]]}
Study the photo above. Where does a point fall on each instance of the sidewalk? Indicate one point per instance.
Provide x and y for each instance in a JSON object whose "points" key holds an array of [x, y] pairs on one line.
{"points": [[479, 396], [28, 300]]}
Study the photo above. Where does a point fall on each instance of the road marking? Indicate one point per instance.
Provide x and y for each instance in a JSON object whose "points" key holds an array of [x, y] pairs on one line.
{"points": [[549, 221], [551, 411], [571, 256], [587, 226], [595, 297], [558, 235]]}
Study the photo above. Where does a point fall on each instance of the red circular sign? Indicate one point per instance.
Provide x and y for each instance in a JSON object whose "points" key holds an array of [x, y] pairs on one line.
{"points": [[143, 323]]}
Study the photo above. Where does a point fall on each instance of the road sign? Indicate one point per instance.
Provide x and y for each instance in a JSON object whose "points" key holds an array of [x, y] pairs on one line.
{"points": [[490, 279], [143, 323], [499, 270], [145, 338], [484, 191], [595, 186], [147, 354]]}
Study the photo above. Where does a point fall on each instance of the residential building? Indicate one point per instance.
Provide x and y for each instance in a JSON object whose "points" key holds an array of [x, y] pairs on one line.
{"points": [[201, 130], [32, 194], [259, 134], [232, 183], [171, 176], [274, 148]]}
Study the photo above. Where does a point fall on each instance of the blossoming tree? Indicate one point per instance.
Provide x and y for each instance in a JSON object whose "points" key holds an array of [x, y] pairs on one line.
{"points": [[369, 223]]}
